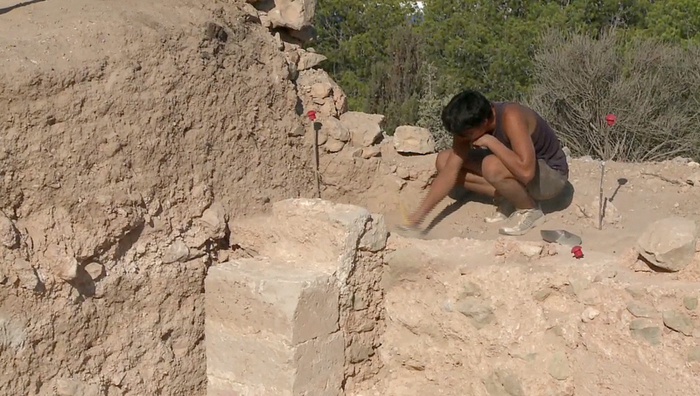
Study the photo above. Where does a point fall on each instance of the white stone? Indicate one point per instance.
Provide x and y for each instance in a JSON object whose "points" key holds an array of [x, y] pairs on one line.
{"points": [[669, 243], [364, 128], [293, 14], [589, 314], [413, 140], [307, 60]]}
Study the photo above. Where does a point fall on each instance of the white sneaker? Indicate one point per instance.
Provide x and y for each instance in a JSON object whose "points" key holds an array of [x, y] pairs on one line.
{"points": [[522, 221], [504, 209]]}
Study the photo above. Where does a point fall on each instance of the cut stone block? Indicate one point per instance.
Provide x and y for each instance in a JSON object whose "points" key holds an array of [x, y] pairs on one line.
{"points": [[253, 296], [272, 328], [250, 365]]}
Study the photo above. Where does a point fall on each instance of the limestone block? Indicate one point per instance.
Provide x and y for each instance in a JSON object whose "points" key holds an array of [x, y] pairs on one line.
{"points": [[413, 140], [272, 329], [250, 297]]}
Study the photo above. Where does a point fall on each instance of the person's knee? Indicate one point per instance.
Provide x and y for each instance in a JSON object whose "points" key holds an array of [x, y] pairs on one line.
{"points": [[442, 158], [493, 169]]}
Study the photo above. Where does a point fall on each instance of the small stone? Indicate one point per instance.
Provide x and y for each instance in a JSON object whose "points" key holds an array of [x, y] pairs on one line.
{"points": [[669, 243], [214, 220], [694, 179], [477, 311], [296, 131], [370, 152], [640, 323], [590, 297], [636, 291], [69, 271], [9, 236], [694, 354], [577, 286], [95, 270], [308, 60], [215, 31], [606, 274], [641, 310], [558, 367], [678, 321], [413, 140], [414, 365], [177, 251], [589, 314], [651, 334], [471, 290], [333, 145], [503, 383], [542, 294], [511, 383], [376, 236], [691, 303], [530, 250], [26, 275], [403, 173]]}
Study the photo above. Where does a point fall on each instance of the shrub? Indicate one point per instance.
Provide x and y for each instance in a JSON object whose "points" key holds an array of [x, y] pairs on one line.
{"points": [[652, 87], [430, 108]]}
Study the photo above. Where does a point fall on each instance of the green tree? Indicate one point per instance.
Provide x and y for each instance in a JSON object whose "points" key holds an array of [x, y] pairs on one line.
{"points": [[674, 20], [354, 35]]}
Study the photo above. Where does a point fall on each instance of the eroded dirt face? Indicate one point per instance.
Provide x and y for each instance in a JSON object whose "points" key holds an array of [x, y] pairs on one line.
{"points": [[121, 123]]}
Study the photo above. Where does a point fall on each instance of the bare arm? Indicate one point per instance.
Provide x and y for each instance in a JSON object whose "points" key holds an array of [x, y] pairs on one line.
{"points": [[443, 183], [521, 160]]}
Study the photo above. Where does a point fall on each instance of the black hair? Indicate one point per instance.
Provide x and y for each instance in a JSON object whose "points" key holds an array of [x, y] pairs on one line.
{"points": [[467, 109]]}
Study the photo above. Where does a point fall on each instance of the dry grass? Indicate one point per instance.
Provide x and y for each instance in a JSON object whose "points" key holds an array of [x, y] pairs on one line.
{"points": [[653, 88]]}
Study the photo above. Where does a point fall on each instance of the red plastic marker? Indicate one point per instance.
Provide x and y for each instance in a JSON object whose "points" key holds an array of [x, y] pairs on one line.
{"points": [[610, 119], [577, 252], [312, 115]]}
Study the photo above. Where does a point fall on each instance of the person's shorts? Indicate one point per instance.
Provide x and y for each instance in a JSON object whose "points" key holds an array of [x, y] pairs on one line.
{"points": [[547, 183]]}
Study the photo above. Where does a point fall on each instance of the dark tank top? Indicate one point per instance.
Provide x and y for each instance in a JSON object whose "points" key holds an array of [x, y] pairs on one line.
{"points": [[547, 145]]}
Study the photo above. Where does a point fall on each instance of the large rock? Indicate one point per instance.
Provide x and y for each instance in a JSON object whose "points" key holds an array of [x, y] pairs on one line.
{"points": [[413, 140], [365, 129], [293, 14], [335, 129], [669, 243], [315, 97]]}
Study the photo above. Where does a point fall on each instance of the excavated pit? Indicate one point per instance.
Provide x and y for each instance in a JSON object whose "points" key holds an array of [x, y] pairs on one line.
{"points": [[140, 143]]}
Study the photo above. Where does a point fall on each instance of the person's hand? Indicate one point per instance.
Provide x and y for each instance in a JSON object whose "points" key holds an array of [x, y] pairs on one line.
{"points": [[484, 141]]}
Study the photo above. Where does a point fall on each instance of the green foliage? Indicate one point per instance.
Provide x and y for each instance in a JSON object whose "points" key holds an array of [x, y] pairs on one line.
{"points": [[674, 20], [379, 51]]}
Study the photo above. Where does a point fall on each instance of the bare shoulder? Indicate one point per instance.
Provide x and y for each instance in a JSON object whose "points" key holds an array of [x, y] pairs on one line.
{"points": [[516, 115]]}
